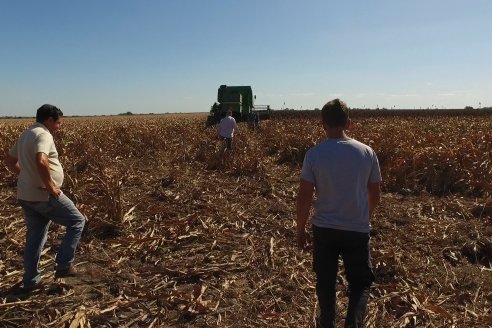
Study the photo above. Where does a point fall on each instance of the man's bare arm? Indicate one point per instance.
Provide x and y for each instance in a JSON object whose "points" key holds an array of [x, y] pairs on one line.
{"points": [[43, 166], [304, 201], [374, 196]]}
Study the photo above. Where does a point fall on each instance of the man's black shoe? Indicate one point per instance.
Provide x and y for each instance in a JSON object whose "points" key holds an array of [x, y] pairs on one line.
{"points": [[20, 289]]}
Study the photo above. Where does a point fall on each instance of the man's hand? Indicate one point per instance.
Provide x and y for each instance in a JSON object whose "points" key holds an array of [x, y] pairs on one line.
{"points": [[12, 163], [52, 190], [303, 240]]}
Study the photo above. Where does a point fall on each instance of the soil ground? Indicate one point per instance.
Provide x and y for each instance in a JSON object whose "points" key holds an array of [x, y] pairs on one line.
{"points": [[206, 247]]}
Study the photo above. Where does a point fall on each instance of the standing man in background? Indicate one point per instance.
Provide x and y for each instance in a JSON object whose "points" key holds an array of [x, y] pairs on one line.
{"points": [[227, 126], [346, 177], [40, 176]]}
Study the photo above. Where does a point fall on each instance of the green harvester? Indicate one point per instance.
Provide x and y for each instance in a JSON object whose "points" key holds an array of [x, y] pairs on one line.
{"points": [[240, 100]]}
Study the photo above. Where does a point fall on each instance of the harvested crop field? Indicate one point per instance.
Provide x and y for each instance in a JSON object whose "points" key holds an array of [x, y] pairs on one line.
{"points": [[175, 238]]}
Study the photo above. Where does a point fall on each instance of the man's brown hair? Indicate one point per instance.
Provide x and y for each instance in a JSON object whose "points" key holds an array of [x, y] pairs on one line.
{"points": [[335, 113]]}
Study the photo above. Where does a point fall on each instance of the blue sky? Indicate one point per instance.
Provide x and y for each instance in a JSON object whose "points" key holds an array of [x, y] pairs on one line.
{"points": [[96, 57]]}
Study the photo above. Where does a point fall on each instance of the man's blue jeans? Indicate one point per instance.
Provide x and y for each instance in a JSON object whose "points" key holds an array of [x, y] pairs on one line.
{"points": [[353, 247], [37, 216]]}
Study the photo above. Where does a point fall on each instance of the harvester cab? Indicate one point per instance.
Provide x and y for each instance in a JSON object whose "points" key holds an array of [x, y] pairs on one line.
{"points": [[240, 100]]}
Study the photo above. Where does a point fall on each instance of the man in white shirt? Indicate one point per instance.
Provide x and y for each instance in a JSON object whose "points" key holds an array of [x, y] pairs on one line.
{"points": [[40, 176], [227, 127], [346, 177]]}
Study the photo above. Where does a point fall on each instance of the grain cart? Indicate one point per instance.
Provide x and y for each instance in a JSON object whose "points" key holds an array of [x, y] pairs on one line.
{"points": [[240, 100]]}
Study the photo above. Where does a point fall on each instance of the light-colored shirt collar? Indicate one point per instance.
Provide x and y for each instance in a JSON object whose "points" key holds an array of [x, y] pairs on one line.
{"points": [[41, 125]]}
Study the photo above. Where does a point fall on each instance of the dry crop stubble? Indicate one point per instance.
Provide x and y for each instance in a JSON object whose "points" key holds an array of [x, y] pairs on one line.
{"points": [[176, 239]]}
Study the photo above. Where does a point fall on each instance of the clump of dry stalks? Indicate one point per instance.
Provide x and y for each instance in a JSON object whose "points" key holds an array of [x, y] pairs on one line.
{"points": [[177, 237]]}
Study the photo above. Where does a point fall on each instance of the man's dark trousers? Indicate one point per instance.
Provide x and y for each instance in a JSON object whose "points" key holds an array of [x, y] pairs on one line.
{"points": [[329, 244]]}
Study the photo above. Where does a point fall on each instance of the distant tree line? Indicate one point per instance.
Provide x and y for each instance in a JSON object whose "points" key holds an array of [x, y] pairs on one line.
{"points": [[354, 112]]}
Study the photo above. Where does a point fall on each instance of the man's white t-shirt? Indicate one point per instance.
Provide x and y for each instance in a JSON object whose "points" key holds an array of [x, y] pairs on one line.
{"points": [[341, 169], [36, 139], [227, 126]]}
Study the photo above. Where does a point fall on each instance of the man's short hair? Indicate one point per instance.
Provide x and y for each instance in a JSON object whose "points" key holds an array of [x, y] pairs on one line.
{"points": [[335, 113], [46, 111]]}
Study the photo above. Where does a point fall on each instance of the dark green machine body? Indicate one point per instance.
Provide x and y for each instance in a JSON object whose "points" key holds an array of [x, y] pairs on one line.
{"points": [[239, 99]]}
